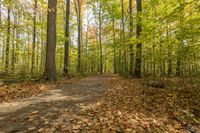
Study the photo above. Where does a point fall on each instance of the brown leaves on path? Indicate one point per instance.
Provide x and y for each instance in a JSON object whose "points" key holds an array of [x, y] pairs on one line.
{"points": [[28, 89], [128, 106]]}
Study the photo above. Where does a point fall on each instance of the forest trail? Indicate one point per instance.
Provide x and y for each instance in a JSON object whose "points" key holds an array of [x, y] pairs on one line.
{"points": [[49, 106], [104, 104]]}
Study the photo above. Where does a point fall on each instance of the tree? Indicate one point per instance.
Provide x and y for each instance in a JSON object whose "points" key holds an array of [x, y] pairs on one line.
{"points": [[100, 43], [114, 49], [78, 4], [8, 38], [124, 64], [131, 35], [138, 72], [34, 37], [50, 67], [66, 56]]}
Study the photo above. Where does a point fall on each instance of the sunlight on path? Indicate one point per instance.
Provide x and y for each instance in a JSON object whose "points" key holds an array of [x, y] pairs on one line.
{"points": [[52, 95]]}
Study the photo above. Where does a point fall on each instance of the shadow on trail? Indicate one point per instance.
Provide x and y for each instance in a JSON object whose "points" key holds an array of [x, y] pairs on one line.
{"points": [[52, 109]]}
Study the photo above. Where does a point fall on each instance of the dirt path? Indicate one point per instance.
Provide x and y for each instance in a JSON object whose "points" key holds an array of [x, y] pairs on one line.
{"points": [[48, 111]]}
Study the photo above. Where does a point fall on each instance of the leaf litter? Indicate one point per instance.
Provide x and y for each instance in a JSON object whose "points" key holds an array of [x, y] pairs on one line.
{"points": [[127, 106]]}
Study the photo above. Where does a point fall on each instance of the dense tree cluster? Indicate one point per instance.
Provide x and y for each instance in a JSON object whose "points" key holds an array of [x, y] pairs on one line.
{"points": [[131, 37]]}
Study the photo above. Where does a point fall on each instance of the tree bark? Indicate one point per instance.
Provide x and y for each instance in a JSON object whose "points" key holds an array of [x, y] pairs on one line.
{"points": [[100, 43], [180, 38], [125, 69], [67, 43], [1, 40], [34, 37], [7, 41], [114, 43], [79, 37], [50, 67], [169, 50], [13, 45], [131, 35], [138, 72]]}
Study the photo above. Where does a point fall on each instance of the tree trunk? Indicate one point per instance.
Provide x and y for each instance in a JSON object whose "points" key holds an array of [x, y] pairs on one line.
{"points": [[1, 40], [86, 43], [138, 72], [79, 37], [7, 41], [50, 68], [131, 35], [114, 43], [42, 48], [100, 44], [34, 37], [66, 55], [13, 45], [169, 50], [125, 69], [181, 38]]}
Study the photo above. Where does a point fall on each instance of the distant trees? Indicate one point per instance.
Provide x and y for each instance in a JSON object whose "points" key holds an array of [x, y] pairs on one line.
{"points": [[160, 39]]}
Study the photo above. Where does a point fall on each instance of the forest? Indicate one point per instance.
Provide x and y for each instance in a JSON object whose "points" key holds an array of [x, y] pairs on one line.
{"points": [[100, 66]]}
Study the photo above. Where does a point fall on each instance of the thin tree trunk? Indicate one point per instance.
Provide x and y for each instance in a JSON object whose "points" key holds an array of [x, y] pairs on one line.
{"points": [[13, 46], [0, 30], [29, 51], [8, 41], [66, 55], [131, 35], [79, 36], [100, 43], [42, 48], [0, 17], [34, 38], [169, 71], [18, 32], [114, 43], [179, 58], [124, 71], [86, 43]]}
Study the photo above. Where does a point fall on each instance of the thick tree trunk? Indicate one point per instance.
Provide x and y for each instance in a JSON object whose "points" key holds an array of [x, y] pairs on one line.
{"points": [[66, 55], [50, 68], [138, 72]]}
